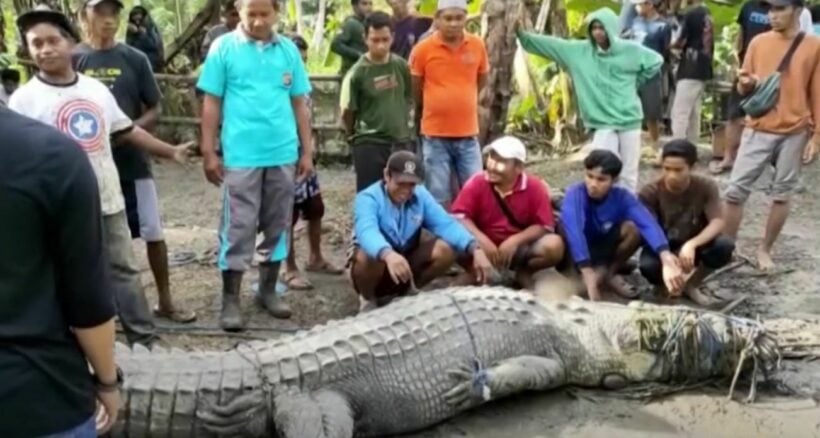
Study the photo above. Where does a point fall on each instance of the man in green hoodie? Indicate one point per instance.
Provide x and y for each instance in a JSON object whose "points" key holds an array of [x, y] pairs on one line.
{"points": [[606, 72]]}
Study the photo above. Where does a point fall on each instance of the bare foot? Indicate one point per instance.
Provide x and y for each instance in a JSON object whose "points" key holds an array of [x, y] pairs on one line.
{"points": [[699, 297], [617, 285], [764, 260]]}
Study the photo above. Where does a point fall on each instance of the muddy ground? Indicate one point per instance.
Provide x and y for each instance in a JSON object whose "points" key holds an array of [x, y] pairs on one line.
{"points": [[190, 210]]}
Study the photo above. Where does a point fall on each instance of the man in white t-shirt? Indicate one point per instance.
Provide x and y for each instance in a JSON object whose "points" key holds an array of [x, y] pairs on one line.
{"points": [[86, 111]]}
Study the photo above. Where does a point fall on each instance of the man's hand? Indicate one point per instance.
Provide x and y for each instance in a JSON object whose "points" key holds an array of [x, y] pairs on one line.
{"points": [[506, 251], [810, 152], [672, 275], [482, 266], [182, 152], [212, 165], [592, 280], [108, 405], [686, 256], [747, 80], [489, 248], [304, 168], [398, 267]]}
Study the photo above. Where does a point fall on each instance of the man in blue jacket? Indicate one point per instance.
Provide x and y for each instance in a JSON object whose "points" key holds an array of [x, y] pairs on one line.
{"points": [[603, 226], [390, 258]]}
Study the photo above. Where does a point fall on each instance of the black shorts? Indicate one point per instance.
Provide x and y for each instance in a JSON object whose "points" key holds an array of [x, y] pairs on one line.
{"points": [[312, 208], [418, 256], [651, 94], [714, 255], [601, 250]]}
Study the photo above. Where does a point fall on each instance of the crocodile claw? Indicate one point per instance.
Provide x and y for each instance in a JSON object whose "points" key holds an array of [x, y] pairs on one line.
{"points": [[245, 415], [472, 386]]}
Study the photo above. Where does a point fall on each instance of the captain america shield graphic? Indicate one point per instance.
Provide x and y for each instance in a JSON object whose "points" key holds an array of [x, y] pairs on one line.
{"points": [[81, 120]]}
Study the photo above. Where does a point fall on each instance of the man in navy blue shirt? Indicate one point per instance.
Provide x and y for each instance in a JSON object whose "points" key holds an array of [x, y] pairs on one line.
{"points": [[603, 225]]}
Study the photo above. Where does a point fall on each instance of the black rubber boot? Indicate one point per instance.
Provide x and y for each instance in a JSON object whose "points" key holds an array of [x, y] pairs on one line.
{"points": [[267, 298], [230, 319]]}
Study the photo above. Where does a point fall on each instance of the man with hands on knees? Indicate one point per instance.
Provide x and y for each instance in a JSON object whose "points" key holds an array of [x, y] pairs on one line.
{"points": [[264, 117], [390, 256], [603, 225], [510, 213]]}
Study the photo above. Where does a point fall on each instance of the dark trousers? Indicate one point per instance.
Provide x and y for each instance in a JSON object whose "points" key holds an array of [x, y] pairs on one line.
{"points": [[714, 255], [370, 159]]}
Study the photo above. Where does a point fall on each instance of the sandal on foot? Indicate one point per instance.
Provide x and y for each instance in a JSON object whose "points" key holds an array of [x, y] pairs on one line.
{"points": [[718, 168], [325, 268], [178, 316], [295, 281]]}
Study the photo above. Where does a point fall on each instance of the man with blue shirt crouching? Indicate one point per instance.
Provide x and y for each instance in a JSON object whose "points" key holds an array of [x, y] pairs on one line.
{"points": [[256, 87], [390, 257]]}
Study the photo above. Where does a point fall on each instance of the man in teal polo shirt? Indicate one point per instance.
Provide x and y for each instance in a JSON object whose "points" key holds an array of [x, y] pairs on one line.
{"points": [[256, 86]]}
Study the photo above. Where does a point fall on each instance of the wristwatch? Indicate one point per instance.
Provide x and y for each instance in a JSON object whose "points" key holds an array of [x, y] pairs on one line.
{"points": [[109, 386]]}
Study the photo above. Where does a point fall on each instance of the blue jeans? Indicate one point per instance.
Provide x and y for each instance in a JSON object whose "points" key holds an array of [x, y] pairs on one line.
{"points": [[442, 156], [88, 429]]}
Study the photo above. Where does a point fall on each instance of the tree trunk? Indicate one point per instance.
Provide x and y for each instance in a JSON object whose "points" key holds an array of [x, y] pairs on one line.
{"points": [[501, 41], [319, 28], [558, 19], [3, 47], [194, 31], [300, 29]]}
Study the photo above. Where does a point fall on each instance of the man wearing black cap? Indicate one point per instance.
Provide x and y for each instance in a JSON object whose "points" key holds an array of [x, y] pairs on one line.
{"points": [[780, 136], [390, 257], [85, 111], [129, 76]]}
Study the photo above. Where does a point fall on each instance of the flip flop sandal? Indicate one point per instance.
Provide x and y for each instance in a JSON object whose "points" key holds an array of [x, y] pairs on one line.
{"points": [[325, 268], [178, 316], [716, 168], [181, 258], [294, 281]]}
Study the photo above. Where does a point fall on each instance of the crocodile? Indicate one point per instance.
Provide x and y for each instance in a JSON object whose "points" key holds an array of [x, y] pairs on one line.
{"points": [[424, 359]]}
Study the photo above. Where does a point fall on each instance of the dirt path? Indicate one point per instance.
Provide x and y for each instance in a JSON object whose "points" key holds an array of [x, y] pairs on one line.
{"points": [[190, 209]]}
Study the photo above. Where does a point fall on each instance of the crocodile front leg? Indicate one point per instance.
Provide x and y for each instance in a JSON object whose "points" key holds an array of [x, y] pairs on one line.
{"points": [[320, 414], [511, 376]]}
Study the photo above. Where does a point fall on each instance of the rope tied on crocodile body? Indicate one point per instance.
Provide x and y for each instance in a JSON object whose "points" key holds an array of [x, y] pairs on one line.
{"points": [[267, 387], [692, 348]]}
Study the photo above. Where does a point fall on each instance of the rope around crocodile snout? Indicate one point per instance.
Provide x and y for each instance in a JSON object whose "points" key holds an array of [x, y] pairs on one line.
{"points": [[691, 347]]}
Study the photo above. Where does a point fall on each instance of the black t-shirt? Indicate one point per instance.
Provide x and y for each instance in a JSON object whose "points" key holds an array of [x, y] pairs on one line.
{"points": [[128, 74], [753, 20], [697, 31], [53, 275]]}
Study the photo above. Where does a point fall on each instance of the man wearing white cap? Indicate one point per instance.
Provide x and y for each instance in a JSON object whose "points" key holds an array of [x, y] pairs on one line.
{"points": [[449, 69], [510, 213]]}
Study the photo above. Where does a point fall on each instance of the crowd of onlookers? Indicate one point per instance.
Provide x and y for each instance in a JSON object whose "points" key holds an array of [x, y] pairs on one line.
{"points": [[76, 182]]}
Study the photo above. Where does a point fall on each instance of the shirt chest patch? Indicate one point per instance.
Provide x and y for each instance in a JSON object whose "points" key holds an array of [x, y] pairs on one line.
{"points": [[82, 120], [385, 82], [287, 79]]}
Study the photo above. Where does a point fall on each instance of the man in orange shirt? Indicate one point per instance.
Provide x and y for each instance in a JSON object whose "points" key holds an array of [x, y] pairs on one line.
{"points": [[780, 136], [449, 69]]}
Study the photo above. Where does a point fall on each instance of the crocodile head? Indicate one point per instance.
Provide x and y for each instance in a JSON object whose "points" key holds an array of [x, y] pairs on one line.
{"points": [[677, 344]]}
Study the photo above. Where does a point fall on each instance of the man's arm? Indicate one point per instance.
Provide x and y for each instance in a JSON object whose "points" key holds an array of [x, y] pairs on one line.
{"points": [[366, 226], [211, 118], [150, 95], [557, 49], [148, 143], [418, 99], [573, 220], [341, 43], [650, 63], [441, 224], [349, 107], [302, 113], [648, 226], [814, 101]]}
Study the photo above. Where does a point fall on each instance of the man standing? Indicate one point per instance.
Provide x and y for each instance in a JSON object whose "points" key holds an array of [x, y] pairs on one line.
{"points": [[56, 304], [449, 70], [697, 45], [651, 30], [129, 76], [606, 71], [256, 86], [408, 28], [510, 214], [390, 258], [378, 110], [781, 135], [84, 110], [752, 20], [603, 226], [349, 43], [230, 18], [689, 210], [142, 34]]}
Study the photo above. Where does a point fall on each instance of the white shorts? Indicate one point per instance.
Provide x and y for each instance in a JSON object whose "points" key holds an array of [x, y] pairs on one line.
{"points": [[142, 209]]}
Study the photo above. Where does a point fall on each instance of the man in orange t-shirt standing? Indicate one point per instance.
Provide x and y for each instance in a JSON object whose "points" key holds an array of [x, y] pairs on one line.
{"points": [[449, 69], [786, 136]]}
